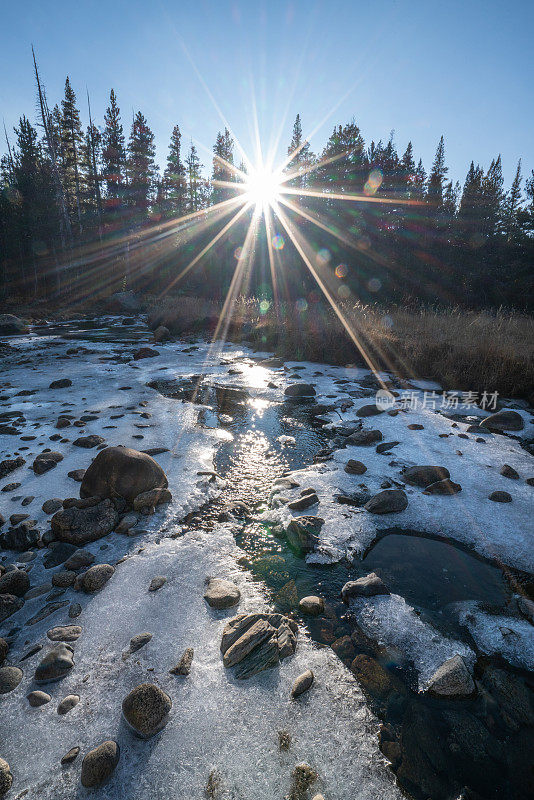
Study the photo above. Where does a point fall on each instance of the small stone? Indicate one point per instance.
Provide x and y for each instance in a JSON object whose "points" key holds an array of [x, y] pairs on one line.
{"points": [[221, 594], [52, 505], [452, 679], [76, 474], [98, 764], [64, 578], [9, 604], [509, 472], [64, 633], [302, 503], [415, 426], [302, 684], [284, 741], [390, 501], [446, 486], [385, 447], [354, 467], [500, 497], [370, 410], [146, 709], [151, 499], [96, 577], [139, 640], [302, 778], [6, 778], [75, 610], [311, 605], [62, 383], [37, 699], [68, 703], [423, 476], [69, 757], [10, 677], [157, 582], [55, 665], [183, 667], [368, 586], [45, 462], [364, 438]]}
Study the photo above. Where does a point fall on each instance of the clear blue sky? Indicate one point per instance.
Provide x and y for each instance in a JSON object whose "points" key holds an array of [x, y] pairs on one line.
{"points": [[424, 68]]}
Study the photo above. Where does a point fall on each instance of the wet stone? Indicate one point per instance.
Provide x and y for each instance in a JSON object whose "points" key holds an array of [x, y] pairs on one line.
{"points": [[221, 594]]}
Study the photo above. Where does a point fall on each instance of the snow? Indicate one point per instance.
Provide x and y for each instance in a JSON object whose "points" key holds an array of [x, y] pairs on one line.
{"points": [[391, 621], [510, 637]]}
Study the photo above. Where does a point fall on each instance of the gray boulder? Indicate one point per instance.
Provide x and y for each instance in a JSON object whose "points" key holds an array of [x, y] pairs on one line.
{"points": [[221, 594], [88, 442], [122, 472], [99, 764], [45, 462], [55, 665], [423, 476], [390, 501], [16, 582], [368, 586], [146, 709], [78, 526], [95, 578], [10, 677], [504, 421], [452, 680], [64, 633], [311, 605]]}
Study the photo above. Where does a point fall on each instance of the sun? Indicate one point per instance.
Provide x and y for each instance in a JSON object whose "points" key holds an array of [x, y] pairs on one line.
{"points": [[262, 187]]}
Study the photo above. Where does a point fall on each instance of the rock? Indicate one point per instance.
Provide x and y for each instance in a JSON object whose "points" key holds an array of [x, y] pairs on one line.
{"points": [[64, 578], [64, 633], [511, 695], [302, 683], [37, 699], [69, 757], [77, 474], [10, 677], [509, 472], [364, 438], [146, 709], [446, 486], [372, 676], [122, 472], [302, 778], [88, 442], [423, 476], [45, 462], [16, 582], [504, 421], [68, 703], [52, 505], [12, 325], [525, 605], [9, 465], [299, 390], [96, 577], [247, 642], [6, 778], [55, 665], [303, 533], [98, 764], [353, 467], [4, 649], [157, 582], [268, 643], [75, 610], [304, 502], [9, 604], [151, 499], [221, 594], [62, 422], [312, 605], [390, 501], [392, 751], [127, 522], [58, 553], [79, 526], [500, 497], [183, 667], [162, 334], [16, 519], [371, 410], [138, 641], [368, 586], [452, 680], [62, 383], [78, 559], [145, 352]]}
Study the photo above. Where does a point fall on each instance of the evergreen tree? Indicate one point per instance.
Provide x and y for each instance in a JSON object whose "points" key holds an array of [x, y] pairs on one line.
{"points": [[71, 145], [91, 158], [344, 160], [223, 159], [301, 156], [174, 176], [113, 153], [407, 171], [437, 176], [512, 206], [196, 191], [141, 167]]}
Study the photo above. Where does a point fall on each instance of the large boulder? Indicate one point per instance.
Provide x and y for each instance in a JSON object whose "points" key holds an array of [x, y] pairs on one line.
{"points": [[16, 582], [146, 709], [424, 476], [122, 472], [452, 679], [98, 765], [45, 461], [21, 537], [368, 586], [9, 604], [81, 525], [10, 324], [390, 501], [504, 421]]}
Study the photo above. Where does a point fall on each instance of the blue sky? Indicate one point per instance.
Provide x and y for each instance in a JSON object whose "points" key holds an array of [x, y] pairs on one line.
{"points": [[423, 68]]}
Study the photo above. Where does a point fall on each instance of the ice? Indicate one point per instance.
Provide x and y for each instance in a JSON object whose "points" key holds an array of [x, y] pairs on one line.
{"points": [[390, 620], [510, 637]]}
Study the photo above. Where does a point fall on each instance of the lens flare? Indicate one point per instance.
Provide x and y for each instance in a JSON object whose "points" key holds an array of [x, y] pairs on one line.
{"points": [[262, 187], [278, 242]]}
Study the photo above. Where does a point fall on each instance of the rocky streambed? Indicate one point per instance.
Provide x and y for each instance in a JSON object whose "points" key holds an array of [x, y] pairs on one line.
{"points": [[210, 553]]}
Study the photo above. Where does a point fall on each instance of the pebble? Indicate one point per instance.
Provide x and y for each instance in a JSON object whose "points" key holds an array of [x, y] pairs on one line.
{"points": [[302, 684], [37, 698], [68, 703]]}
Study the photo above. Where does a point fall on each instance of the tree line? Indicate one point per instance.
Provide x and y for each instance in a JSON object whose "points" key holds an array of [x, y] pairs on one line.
{"points": [[71, 198]]}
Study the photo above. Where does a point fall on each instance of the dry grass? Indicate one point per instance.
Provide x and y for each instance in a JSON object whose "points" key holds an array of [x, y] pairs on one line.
{"points": [[462, 350]]}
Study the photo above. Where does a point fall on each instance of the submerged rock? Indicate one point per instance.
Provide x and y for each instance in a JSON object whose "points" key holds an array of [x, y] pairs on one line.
{"points": [[98, 764], [146, 709], [221, 594], [122, 472], [452, 680], [390, 501], [303, 533]]}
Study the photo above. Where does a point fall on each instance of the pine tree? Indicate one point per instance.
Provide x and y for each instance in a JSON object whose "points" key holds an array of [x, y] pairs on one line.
{"points": [[91, 157], [223, 159], [71, 142], [419, 182], [512, 206], [300, 156], [437, 176], [141, 166], [174, 176], [195, 196], [407, 171], [344, 160], [113, 153]]}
